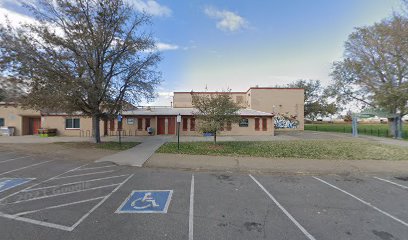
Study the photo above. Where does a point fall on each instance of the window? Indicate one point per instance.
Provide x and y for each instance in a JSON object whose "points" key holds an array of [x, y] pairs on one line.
{"points": [[140, 124], [229, 127], [185, 122], [72, 123], [130, 121], [192, 124], [244, 122], [147, 123], [256, 124], [264, 124], [1, 122]]}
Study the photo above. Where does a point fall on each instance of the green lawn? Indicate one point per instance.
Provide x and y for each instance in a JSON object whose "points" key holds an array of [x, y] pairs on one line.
{"points": [[104, 145], [379, 130], [309, 149]]}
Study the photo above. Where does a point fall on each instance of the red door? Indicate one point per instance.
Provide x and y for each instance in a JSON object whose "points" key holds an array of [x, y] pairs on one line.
{"points": [[34, 125], [171, 125], [161, 126]]}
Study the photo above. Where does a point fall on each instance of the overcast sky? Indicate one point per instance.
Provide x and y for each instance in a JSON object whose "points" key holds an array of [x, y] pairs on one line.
{"points": [[241, 43]]}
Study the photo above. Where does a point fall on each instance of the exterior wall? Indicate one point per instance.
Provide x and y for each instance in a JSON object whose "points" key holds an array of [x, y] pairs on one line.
{"points": [[14, 116], [283, 102], [236, 130], [184, 99], [58, 122], [132, 129]]}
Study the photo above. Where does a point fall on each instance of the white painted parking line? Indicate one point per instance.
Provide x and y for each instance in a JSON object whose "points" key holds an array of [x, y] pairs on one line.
{"points": [[364, 202], [83, 169], [71, 183], [58, 206], [13, 159], [37, 222], [18, 169], [301, 228], [85, 174], [61, 194], [50, 179], [99, 204], [394, 183], [191, 214]]}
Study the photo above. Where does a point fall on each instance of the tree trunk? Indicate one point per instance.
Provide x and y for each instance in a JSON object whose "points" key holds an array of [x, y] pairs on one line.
{"points": [[96, 128], [392, 127], [215, 138]]}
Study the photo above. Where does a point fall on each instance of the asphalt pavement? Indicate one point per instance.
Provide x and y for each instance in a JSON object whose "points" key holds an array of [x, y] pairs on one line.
{"points": [[46, 198]]}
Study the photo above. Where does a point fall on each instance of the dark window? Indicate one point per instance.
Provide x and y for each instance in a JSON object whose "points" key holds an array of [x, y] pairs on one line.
{"points": [[264, 124], [256, 124], [244, 122], [192, 124], [185, 121], [229, 127], [147, 123], [140, 124], [1, 122], [73, 123]]}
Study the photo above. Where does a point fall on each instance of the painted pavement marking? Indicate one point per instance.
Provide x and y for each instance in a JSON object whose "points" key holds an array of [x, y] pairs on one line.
{"points": [[191, 214], [394, 183], [85, 174], [364, 202], [32, 165], [301, 228], [83, 169], [37, 184], [13, 159], [59, 226], [9, 183], [58, 206], [60, 194], [72, 183], [146, 201]]}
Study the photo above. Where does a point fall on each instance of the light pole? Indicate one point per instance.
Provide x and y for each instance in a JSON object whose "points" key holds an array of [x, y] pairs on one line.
{"points": [[178, 130]]}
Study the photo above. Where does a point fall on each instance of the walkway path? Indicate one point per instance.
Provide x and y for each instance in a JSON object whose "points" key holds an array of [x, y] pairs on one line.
{"points": [[138, 155]]}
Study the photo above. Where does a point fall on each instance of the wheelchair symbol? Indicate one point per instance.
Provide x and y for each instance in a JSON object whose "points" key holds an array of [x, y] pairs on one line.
{"points": [[146, 202]]}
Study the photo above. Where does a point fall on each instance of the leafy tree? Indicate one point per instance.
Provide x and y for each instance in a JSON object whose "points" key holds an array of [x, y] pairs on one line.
{"points": [[375, 69], [2, 95], [213, 111], [89, 56], [315, 100]]}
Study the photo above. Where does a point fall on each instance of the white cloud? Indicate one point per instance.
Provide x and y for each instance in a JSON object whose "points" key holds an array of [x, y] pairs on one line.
{"points": [[166, 46], [15, 18], [226, 20], [151, 7]]}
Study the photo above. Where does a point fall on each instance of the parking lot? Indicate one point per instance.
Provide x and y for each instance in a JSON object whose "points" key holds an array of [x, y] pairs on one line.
{"points": [[46, 198]]}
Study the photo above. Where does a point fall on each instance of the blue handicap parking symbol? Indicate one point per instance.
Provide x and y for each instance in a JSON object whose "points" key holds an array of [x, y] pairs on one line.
{"points": [[146, 201], [8, 183]]}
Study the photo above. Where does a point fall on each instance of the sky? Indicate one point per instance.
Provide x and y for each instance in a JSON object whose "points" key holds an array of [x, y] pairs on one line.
{"points": [[237, 44]]}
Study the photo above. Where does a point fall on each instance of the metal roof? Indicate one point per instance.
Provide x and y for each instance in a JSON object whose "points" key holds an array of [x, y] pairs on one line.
{"points": [[185, 112]]}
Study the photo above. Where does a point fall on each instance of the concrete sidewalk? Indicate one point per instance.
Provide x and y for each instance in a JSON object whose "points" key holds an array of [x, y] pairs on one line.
{"points": [[138, 155]]}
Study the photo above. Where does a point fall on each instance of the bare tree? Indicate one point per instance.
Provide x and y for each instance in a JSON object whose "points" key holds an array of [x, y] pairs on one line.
{"points": [[90, 56], [214, 110]]}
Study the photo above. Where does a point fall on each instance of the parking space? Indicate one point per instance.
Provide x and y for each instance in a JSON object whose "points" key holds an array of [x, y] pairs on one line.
{"points": [[52, 198]]}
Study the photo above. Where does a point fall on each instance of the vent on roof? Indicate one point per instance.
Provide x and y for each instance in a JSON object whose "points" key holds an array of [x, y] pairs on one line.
{"points": [[148, 108]]}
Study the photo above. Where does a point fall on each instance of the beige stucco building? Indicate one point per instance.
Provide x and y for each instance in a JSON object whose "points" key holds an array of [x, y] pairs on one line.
{"points": [[263, 111]]}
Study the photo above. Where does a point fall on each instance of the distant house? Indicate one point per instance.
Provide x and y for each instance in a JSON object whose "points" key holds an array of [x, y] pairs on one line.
{"points": [[263, 111]]}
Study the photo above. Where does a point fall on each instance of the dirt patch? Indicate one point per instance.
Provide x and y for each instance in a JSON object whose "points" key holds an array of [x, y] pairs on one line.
{"points": [[77, 151]]}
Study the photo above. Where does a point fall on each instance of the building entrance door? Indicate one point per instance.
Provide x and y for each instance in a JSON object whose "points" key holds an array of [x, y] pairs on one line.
{"points": [[161, 126], [33, 125], [171, 125]]}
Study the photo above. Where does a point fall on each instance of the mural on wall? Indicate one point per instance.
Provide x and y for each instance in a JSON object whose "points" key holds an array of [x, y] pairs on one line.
{"points": [[285, 121]]}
